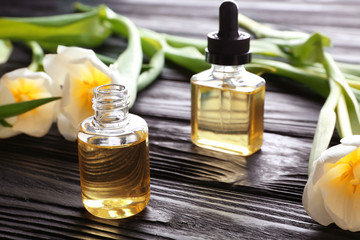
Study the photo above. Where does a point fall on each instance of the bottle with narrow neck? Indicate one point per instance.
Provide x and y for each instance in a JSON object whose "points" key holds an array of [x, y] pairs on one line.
{"points": [[227, 102], [114, 156], [111, 106]]}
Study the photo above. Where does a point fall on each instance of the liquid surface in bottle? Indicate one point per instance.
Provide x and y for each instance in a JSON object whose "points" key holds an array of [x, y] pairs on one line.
{"points": [[115, 180], [228, 120]]}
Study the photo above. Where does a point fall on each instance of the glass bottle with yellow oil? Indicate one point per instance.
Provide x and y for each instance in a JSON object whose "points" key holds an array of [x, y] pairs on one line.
{"points": [[114, 156], [227, 102]]}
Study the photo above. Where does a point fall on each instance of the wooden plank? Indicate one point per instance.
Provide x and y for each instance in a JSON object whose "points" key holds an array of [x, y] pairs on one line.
{"points": [[223, 213], [196, 193]]}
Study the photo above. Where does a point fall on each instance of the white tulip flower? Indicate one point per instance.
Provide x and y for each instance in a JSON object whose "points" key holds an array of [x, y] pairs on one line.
{"points": [[78, 70], [331, 193], [24, 85]]}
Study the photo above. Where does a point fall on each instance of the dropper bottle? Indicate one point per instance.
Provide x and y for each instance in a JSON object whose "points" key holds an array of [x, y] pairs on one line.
{"points": [[227, 102]]}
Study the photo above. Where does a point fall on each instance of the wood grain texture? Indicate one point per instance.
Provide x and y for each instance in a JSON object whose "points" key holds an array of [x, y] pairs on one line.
{"points": [[196, 193]]}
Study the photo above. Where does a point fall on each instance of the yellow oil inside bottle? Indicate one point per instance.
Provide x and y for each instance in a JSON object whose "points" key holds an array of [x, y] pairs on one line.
{"points": [[228, 120], [115, 181]]}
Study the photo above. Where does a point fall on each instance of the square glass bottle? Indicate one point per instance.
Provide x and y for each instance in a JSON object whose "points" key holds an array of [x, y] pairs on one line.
{"points": [[227, 102]]}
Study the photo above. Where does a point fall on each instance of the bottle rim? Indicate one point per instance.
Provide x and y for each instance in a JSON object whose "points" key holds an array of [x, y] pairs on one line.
{"points": [[111, 88]]}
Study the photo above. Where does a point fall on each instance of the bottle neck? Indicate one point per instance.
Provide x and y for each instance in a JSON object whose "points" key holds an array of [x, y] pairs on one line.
{"points": [[228, 74], [111, 105], [227, 71]]}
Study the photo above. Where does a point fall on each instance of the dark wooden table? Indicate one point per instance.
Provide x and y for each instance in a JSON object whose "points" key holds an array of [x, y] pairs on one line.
{"points": [[196, 193]]}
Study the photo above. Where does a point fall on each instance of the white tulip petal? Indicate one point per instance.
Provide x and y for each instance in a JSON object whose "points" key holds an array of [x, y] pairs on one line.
{"points": [[331, 155], [116, 78], [66, 128], [25, 85], [75, 109], [354, 225], [351, 140], [334, 153], [73, 57], [339, 205], [314, 205], [49, 84], [7, 132], [5, 93], [332, 193], [7, 98], [79, 71], [40, 118], [55, 64]]}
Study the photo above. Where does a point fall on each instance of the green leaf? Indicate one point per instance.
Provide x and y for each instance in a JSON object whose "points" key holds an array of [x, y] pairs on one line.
{"points": [[185, 52], [352, 104], [326, 124], [180, 42], [105, 59], [81, 29], [303, 51], [5, 50], [145, 67], [312, 50], [188, 57], [37, 56], [129, 63], [343, 121], [263, 31], [153, 49], [349, 68], [14, 109], [4, 123], [316, 82], [259, 69], [266, 48]]}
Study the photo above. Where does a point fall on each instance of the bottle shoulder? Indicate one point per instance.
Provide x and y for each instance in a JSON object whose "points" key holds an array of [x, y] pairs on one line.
{"points": [[245, 80], [132, 130]]}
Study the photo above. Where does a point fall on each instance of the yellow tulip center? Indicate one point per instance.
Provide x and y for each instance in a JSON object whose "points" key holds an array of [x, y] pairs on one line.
{"points": [[24, 89], [346, 172], [84, 84], [356, 174]]}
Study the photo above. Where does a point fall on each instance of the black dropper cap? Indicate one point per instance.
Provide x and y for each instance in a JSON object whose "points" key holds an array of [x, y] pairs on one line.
{"points": [[228, 46]]}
